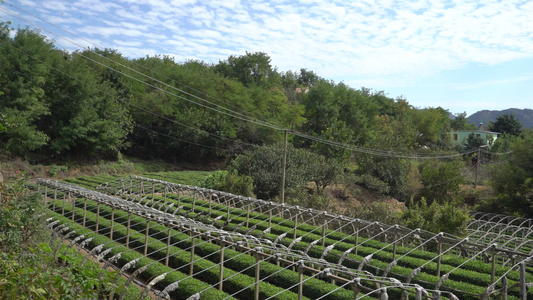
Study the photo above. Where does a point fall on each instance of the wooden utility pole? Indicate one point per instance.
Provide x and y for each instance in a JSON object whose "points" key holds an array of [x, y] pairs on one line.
{"points": [[284, 165], [478, 162]]}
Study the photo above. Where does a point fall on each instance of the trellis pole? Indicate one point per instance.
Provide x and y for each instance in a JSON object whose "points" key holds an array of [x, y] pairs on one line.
{"points": [[112, 223], [146, 236], [63, 206], [84, 211], [439, 249], [493, 270], [168, 246], [257, 269], [128, 229], [97, 216], [283, 166], [73, 207], [248, 214], [300, 280], [191, 266], [523, 281], [504, 288], [324, 231], [221, 270]]}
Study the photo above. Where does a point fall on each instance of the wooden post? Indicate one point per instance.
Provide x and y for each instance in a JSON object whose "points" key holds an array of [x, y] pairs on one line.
{"points": [[300, 280], [493, 271], [193, 202], [142, 187], [55, 199], [270, 218], [439, 259], [324, 233], [210, 204], [283, 166], [146, 236], [73, 207], [295, 225], [131, 185], [394, 246], [153, 190], [356, 290], [227, 217], [248, 216], [63, 206], [221, 278], [128, 230], [168, 246], [165, 196], [504, 288], [84, 211], [191, 266], [257, 269], [45, 195], [97, 216], [112, 223], [523, 281], [478, 161], [356, 241]]}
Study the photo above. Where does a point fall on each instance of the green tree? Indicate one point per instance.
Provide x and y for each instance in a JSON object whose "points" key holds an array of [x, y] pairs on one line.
{"points": [[264, 165], [436, 217], [250, 69], [474, 141], [513, 181], [506, 123], [23, 79], [461, 122], [441, 180], [89, 117], [430, 124]]}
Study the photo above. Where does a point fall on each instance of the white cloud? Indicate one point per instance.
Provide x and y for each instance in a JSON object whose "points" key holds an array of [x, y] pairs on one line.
{"points": [[504, 81], [376, 39]]}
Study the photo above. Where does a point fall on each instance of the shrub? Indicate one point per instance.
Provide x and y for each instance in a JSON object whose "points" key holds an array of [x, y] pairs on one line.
{"points": [[436, 218], [230, 182]]}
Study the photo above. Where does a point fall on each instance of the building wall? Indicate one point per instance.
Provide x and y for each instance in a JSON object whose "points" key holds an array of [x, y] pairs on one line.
{"points": [[459, 137]]}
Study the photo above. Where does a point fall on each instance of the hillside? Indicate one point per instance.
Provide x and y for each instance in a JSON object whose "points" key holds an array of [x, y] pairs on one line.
{"points": [[525, 116]]}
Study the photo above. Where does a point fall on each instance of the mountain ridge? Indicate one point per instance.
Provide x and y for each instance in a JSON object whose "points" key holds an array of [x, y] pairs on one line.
{"points": [[525, 116]]}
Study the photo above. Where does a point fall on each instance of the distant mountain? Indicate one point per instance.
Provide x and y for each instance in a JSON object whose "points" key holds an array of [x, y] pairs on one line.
{"points": [[525, 116]]}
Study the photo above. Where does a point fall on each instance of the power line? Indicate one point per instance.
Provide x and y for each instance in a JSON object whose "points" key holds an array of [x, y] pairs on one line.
{"points": [[240, 116], [133, 62], [138, 107]]}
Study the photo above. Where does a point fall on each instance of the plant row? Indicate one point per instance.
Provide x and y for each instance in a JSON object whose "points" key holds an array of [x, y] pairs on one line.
{"points": [[237, 269]]}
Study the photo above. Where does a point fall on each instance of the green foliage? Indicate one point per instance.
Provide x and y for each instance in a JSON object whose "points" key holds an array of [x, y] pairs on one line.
{"points": [[430, 123], [392, 171], [230, 182], [55, 103], [441, 180], [508, 124], [436, 218], [29, 268], [512, 179], [461, 122], [303, 197], [21, 220], [264, 165], [474, 142], [381, 211]]}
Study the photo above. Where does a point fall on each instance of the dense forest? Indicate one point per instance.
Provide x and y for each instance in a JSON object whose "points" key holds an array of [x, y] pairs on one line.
{"points": [[93, 104]]}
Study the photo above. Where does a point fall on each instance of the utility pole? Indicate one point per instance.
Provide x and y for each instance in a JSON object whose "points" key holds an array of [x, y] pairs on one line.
{"points": [[284, 165], [478, 162]]}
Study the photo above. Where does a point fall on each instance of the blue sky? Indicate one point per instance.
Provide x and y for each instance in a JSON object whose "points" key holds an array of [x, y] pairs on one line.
{"points": [[460, 55]]}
